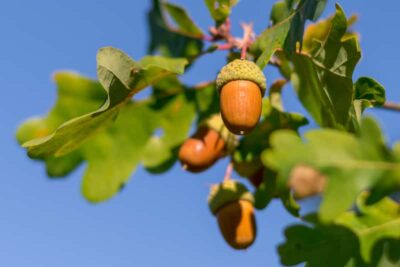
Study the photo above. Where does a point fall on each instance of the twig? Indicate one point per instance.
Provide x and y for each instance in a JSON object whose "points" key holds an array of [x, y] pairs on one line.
{"points": [[207, 38], [248, 38], [391, 106], [226, 46], [228, 172]]}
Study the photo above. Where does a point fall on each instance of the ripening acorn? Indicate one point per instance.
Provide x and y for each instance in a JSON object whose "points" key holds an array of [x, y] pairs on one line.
{"points": [[232, 204], [241, 85], [210, 142]]}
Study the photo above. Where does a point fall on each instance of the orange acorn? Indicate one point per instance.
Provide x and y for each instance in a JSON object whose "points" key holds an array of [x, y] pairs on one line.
{"points": [[241, 85], [210, 142], [232, 204]]}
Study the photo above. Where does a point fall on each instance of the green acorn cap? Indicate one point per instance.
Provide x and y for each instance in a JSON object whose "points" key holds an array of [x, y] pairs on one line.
{"points": [[227, 192], [241, 69], [216, 123]]}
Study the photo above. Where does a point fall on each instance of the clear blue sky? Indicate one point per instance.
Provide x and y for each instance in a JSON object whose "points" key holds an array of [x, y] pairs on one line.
{"points": [[157, 220]]}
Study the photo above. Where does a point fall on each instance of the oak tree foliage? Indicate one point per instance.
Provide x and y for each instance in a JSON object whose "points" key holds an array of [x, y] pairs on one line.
{"points": [[100, 123]]}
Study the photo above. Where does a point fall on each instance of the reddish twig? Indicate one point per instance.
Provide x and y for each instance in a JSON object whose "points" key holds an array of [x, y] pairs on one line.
{"points": [[226, 46], [248, 38], [228, 172], [391, 106]]}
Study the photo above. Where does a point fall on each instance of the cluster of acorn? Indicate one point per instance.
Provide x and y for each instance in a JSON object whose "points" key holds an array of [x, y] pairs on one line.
{"points": [[241, 86]]}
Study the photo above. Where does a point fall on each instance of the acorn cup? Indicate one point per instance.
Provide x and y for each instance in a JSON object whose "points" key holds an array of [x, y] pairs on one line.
{"points": [[232, 204], [241, 85], [210, 142]]}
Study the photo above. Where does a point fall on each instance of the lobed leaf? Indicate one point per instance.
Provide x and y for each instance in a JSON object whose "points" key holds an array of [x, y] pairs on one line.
{"points": [[365, 238], [148, 131], [183, 20], [167, 40], [77, 96], [287, 30], [133, 139], [121, 77], [352, 164], [323, 80]]}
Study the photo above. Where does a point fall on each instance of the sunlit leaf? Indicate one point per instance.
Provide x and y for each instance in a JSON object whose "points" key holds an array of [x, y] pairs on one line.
{"points": [[323, 80], [286, 31], [77, 96], [122, 78], [352, 164], [183, 20], [169, 41]]}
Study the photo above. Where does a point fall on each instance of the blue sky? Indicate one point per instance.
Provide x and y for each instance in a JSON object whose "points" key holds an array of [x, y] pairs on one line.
{"points": [[157, 220]]}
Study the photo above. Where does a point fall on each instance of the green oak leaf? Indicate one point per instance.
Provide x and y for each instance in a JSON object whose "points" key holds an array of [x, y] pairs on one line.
{"points": [[220, 9], [167, 86], [373, 223], [306, 10], [268, 190], [174, 115], [183, 20], [168, 41], [323, 80], [367, 93], [320, 30], [122, 78], [269, 41], [286, 31], [77, 96], [281, 10], [206, 100], [147, 132], [114, 154], [176, 107], [330, 246], [368, 237], [353, 164]]}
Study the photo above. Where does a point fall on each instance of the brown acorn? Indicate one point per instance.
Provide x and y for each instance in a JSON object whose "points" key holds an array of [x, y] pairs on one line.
{"points": [[201, 150], [241, 85], [236, 221], [306, 181], [210, 142], [232, 204]]}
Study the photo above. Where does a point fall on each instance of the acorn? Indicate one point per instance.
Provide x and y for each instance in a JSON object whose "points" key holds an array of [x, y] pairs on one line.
{"points": [[241, 85], [306, 181], [232, 204], [210, 142]]}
